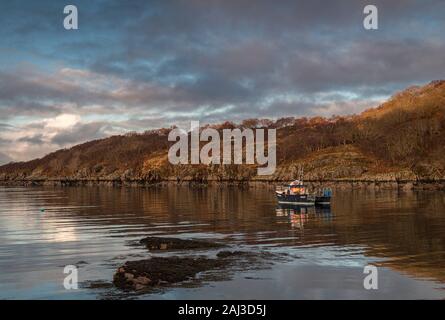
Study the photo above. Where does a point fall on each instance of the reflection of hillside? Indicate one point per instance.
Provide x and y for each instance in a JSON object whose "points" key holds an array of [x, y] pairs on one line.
{"points": [[407, 230]]}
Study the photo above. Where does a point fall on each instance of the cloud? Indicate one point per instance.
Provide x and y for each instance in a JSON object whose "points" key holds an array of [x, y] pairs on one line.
{"points": [[80, 133], [37, 138], [157, 63], [4, 158]]}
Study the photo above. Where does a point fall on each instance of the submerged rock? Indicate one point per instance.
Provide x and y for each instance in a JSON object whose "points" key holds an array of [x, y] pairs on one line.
{"points": [[139, 275], [97, 284], [231, 254], [159, 243]]}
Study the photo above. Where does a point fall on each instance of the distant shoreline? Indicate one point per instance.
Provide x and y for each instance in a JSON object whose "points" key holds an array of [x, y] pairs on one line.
{"points": [[336, 184]]}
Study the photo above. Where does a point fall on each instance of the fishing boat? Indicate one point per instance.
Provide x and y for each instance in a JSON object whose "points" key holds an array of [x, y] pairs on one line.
{"points": [[295, 193]]}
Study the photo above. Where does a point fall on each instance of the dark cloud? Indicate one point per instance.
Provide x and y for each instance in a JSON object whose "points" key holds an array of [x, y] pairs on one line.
{"points": [[34, 139], [5, 126], [4, 158], [80, 133]]}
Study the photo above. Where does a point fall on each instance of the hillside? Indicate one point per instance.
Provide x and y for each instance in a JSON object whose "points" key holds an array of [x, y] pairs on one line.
{"points": [[403, 139]]}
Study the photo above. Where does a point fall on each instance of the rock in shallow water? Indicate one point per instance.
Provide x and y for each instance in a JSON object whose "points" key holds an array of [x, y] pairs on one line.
{"points": [[138, 275], [160, 243]]}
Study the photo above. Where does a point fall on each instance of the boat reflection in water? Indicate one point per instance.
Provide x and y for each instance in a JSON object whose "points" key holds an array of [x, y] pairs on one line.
{"points": [[300, 215]]}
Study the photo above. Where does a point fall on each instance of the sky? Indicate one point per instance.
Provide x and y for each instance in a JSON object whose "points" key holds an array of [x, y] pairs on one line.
{"points": [[140, 65]]}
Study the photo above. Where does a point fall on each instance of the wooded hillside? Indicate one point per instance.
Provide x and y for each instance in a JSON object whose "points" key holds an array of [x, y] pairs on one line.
{"points": [[403, 138]]}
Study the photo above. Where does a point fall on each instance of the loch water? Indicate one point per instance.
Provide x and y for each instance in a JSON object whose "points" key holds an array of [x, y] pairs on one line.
{"points": [[305, 252]]}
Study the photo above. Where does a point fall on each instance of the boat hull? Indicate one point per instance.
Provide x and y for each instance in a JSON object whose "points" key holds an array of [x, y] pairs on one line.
{"points": [[297, 199], [323, 200]]}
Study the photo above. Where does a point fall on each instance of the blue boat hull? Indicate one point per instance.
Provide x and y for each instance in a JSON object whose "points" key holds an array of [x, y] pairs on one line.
{"points": [[323, 200]]}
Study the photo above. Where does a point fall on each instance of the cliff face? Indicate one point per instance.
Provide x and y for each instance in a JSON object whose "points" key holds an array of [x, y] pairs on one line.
{"points": [[403, 139]]}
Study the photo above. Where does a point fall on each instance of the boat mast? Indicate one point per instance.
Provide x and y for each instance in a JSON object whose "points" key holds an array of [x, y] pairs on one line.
{"points": [[301, 173]]}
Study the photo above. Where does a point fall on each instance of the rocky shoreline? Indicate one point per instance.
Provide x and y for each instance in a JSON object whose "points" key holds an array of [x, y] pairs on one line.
{"points": [[343, 184]]}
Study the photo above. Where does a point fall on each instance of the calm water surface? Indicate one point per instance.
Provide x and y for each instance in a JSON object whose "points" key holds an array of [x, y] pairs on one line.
{"points": [[313, 253]]}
